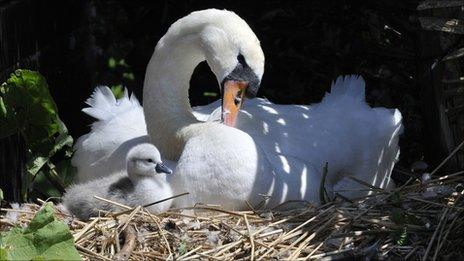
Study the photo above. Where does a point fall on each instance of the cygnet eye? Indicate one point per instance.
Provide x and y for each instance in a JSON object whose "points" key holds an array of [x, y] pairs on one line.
{"points": [[150, 160]]}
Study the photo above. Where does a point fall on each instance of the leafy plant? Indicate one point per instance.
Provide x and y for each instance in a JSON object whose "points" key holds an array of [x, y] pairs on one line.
{"points": [[182, 248], [401, 236], [26, 107], [402, 218], [44, 239], [118, 91], [122, 74]]}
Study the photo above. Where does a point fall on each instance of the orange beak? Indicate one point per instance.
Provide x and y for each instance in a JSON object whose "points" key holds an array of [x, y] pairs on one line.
{"points": [[232, 100]]}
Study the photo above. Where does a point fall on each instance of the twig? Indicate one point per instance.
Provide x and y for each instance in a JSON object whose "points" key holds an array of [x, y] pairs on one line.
{"points": [[113, 202], [365, 183], [130, 237], [160, 231], [322, 191], [440, 244], [83, 249], [252, 256], [447, 158], [79, 235], [166, 199], [189, 253], [429, 247], [311, 237]]}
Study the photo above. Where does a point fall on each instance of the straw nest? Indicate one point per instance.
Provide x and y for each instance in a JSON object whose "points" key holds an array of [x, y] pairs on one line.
{"points": [[419, 220]]}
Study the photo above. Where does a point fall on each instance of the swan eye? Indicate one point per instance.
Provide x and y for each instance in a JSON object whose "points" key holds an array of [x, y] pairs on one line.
{"points": [[241, 60], [150, 160]]}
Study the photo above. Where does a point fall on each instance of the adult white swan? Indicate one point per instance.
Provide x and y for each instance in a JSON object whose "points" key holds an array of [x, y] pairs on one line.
{"points": [[279, 150]]}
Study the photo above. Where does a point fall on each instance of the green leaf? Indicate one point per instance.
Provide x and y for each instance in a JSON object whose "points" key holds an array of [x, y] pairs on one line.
{"points": [[41, 219], [43, 185], [67, 171], [129, 76], [45, 239], [210, 94], [18, 246], [182, 248], [8, 125], [63, 140], [401, 236], [2, 108], [3, 254], [35, 164], [112, 63], [118, 91], [26, 107], [123, 63], [30, 109]]}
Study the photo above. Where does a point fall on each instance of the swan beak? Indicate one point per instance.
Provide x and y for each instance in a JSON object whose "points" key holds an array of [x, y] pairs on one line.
{"points": [[161, 168], [232, 100]]}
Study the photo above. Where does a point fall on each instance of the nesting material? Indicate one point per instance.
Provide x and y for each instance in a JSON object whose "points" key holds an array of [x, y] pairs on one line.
{"points": [[409, 222]]}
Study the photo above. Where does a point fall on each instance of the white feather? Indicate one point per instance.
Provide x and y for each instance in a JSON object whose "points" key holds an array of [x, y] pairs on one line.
{"points": [[275, 148]]}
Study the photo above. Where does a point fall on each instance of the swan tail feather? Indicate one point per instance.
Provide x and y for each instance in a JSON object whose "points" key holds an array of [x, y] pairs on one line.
{"points": [[350, 87], [104, 105], [116, 121]]}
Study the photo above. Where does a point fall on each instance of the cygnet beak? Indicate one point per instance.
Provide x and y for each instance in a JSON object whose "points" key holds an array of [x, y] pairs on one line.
{"points": [[232, 99], [161, 168]]}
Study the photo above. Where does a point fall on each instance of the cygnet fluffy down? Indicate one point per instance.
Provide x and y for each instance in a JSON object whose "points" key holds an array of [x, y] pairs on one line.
{"points": [[143, 183]]}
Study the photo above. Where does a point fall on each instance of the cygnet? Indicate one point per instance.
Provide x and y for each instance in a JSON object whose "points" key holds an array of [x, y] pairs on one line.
{"points": [[143, 182]]}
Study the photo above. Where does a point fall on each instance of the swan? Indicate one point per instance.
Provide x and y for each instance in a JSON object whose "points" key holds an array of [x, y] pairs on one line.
{"points": [[143, 183], [275, 150]]}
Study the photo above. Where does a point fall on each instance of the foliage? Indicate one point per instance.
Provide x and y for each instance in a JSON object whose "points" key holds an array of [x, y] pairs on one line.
{"points": [[120, 74], [402, 218], [118, 91], [44, 239], [182, 248], [28, 108]]}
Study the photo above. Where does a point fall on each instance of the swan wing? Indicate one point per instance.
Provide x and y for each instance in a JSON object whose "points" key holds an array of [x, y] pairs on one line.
{"points": [[209, 112], [342, 130]]}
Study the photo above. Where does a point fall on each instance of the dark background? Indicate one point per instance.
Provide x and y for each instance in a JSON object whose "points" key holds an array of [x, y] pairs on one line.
{"points": [[79, 44]]}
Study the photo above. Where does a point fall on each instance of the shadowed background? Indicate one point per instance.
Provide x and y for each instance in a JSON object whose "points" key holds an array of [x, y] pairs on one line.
{"points": [[78, 45]]}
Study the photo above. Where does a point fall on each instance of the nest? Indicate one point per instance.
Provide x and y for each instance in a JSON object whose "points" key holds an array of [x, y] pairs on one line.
{"points": [[419, 220]]}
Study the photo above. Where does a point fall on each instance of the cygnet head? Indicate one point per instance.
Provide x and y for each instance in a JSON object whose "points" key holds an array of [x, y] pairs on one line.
{"points": [[145, 160]]}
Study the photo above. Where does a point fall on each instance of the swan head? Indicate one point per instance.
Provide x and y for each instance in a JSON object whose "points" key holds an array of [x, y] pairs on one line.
{"points": [[228, 45], [145, 160], [234, 54]]}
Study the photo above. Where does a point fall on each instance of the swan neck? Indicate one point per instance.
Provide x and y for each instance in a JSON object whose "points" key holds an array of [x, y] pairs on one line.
{"points": [[166, 103]]}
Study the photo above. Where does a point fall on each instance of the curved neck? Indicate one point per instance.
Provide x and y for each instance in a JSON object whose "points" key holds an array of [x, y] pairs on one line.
{"points": [[165, 94]]}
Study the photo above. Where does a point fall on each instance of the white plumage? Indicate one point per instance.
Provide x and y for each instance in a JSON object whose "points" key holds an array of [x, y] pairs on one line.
{"points": [[355, 139], [278, 150], [139, 184], [343, 130], [117, 122]]}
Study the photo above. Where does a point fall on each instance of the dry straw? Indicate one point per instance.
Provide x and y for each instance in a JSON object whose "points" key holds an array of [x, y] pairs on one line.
{"points": [[416, 221]]}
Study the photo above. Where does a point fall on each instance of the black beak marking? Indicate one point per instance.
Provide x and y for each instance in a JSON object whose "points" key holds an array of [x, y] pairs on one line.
{"points": [[161, 168], [242, 72]]}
